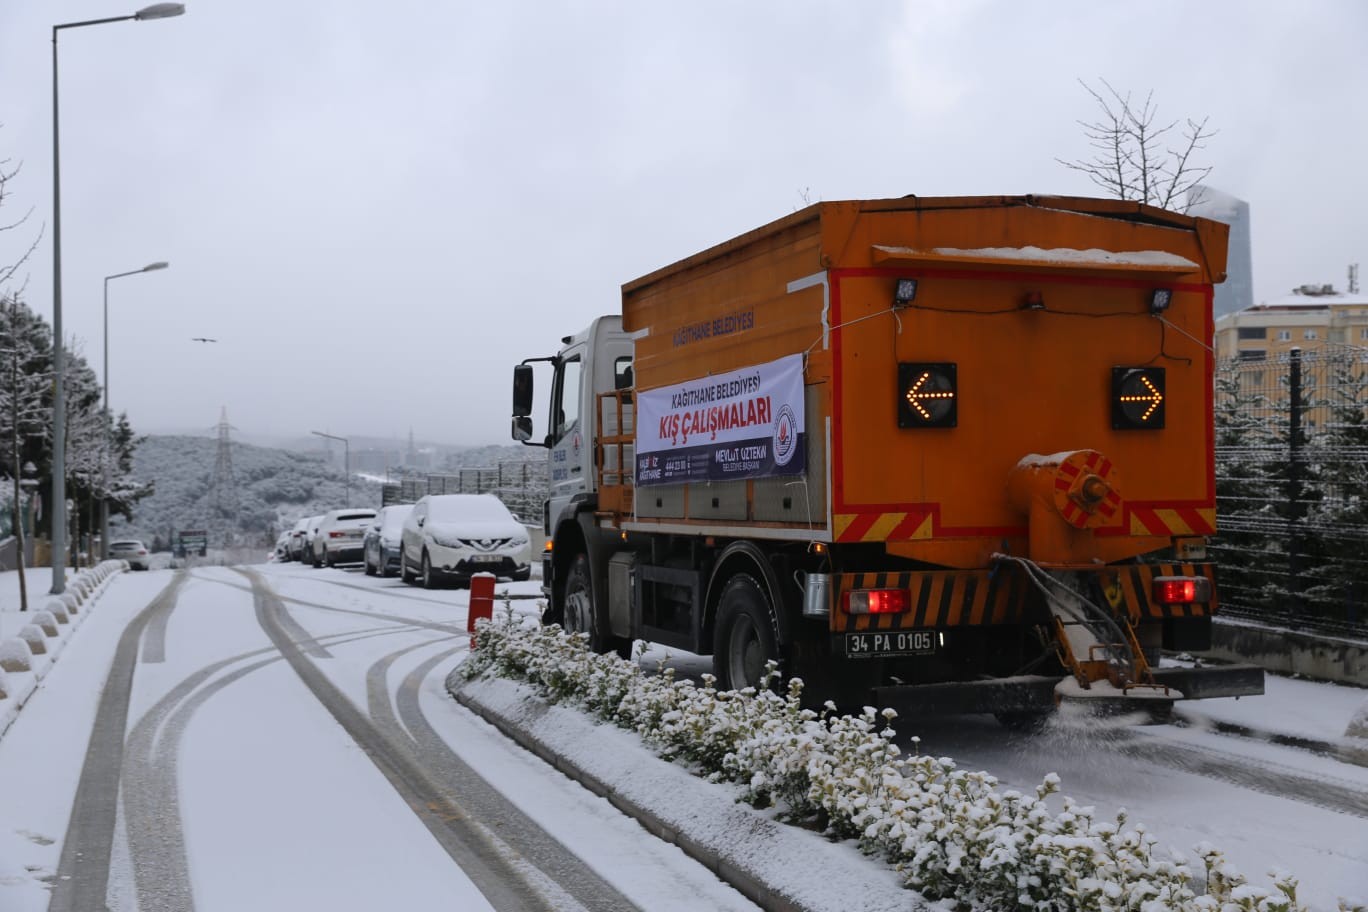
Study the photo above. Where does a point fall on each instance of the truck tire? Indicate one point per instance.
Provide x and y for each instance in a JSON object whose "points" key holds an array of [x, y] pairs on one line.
{"points": [[745, 638], [577, 614]]}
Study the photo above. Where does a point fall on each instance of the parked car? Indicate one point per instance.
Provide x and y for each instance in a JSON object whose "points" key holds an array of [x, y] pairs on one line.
{"points": [[380, 547], [452, 536], [298, 536], [133, 551], [310, 530], [338, 540], [281, 553]]}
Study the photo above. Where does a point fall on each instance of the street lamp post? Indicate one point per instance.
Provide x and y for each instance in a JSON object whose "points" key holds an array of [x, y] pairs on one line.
{"points": [[346, 457], [59, 513], [104, 497]]}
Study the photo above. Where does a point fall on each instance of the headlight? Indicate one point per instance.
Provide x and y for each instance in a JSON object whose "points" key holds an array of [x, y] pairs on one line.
{"points": [[519, 541], [446, 542]]}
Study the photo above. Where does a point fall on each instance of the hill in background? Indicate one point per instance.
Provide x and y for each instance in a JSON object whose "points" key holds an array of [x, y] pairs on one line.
{"points": [[275, 487]]}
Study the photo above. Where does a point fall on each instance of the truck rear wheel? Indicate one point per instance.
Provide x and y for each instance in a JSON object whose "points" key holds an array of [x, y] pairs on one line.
{"points": [[746, 639]]}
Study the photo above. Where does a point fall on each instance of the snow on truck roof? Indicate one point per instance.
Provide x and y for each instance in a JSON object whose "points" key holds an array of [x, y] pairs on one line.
{"points": [[1157, 260]]}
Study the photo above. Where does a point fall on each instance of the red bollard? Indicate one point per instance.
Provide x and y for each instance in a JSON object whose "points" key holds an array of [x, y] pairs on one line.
{"points": [[481, 601]]}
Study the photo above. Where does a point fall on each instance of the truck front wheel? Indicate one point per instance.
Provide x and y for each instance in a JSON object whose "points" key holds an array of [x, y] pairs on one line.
{"points": [[745, 641], [577, 613]]}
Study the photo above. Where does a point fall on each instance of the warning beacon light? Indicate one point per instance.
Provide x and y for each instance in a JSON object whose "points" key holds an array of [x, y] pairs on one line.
{"points": [[1138, 398], [928, 395]]}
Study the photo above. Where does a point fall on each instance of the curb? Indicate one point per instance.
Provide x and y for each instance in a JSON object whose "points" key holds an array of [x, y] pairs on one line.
{"points": [[1346, 750], [719, 839], [65, 613]]}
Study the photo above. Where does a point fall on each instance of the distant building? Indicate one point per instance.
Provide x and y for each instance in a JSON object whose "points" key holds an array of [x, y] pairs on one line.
{"points": [[1237, 291], [1311, 317]]}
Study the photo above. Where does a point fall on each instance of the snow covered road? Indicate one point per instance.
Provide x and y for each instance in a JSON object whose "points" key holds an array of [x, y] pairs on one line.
{"points": [[278, 738]]}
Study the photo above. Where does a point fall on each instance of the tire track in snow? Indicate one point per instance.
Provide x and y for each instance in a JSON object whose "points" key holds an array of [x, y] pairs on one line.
{"points": [[543, 851], [1260, 776], [505, 874], [150, 782], [154, 636], [373, 615], [82, 879]]}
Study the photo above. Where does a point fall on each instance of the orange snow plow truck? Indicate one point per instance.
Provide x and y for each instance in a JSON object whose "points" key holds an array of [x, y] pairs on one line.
{"points": [[946, 455]]}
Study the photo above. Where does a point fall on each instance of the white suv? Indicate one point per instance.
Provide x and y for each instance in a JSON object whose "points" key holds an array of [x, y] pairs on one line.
{"points": [[339, 536], [133, 551], [454, 536]]}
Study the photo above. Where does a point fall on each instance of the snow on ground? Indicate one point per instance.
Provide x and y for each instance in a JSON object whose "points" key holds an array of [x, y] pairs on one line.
{"points": [[1307, 709], [42, 753], [651, 873], [319, 827]]}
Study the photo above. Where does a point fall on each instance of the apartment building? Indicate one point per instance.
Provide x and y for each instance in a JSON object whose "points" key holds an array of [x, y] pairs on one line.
{"points": [[1311, 317]]}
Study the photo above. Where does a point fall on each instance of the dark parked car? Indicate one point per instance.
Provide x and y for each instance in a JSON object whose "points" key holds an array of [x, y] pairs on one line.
{"points": [[382, 542]]}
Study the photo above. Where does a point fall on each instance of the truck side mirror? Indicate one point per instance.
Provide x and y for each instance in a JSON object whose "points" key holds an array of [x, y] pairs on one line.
{"points": [[522, 391], [522, 428]]}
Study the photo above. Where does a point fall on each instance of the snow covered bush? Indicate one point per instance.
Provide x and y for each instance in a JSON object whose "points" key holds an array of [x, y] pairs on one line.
{"points": [[950, 833]]}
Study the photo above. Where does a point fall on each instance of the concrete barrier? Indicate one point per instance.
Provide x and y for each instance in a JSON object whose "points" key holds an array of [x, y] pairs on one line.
{"points": [[1288, 652], [15, 655], [35, 638], [45, 622]]}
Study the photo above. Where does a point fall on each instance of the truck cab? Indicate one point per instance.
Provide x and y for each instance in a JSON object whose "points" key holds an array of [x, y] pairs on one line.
{"points": [[592, 362]]}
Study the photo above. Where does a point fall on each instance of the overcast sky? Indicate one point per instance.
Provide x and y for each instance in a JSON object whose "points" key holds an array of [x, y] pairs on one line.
{"points": [[378, 208]]}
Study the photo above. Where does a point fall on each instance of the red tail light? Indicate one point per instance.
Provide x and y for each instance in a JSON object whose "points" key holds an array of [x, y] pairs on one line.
{"points": [[337, 534], [1181, 590], [875, 601]]}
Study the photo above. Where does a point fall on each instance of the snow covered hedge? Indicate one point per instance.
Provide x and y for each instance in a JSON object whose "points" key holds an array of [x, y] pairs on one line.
{"points": [[950, 833]]}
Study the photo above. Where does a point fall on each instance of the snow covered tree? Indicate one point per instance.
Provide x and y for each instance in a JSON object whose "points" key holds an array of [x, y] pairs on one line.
{"points": [[1138, 157], [1245, 485], [1340, 452]]}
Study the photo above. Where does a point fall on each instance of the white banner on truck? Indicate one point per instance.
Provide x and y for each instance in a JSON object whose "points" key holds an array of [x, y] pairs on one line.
{"points": [[746, 423]]}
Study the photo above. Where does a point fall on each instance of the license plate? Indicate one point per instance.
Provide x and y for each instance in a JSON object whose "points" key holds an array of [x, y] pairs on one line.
{"points": [[892, 643], [485, 558]]}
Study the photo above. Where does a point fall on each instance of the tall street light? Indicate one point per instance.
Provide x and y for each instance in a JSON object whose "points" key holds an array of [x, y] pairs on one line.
{"points": [[346, 457], [104, 498], [59, 512]]}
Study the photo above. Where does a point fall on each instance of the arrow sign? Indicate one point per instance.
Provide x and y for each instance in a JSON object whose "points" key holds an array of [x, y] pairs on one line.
{"points": [[1138, 398], [927, 395], [1151, 395], [919, 394]]}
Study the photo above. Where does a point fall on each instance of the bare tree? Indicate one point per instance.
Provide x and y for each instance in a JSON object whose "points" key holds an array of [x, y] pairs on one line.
{"points": [[1137, 156], [8, 270]]}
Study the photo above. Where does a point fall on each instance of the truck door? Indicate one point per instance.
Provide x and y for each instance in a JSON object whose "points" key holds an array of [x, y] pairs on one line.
{"points": [[570, 433]]}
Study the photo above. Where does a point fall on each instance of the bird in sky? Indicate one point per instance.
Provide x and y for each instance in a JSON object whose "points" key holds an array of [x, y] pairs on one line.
{"points": [[202, 339]]}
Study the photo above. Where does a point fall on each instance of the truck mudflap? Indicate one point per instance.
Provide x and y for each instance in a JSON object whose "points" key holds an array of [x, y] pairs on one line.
{"points": [[1035, 693]]}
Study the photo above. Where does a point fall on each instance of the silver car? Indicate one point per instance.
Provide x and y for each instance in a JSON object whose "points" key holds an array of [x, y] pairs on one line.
{"points": [[133, 551], [338, 540]]}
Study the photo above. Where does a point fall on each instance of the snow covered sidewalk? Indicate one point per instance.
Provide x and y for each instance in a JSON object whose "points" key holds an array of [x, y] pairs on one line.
{"points": [[30, 641], [1315, 715], [776, 865]]}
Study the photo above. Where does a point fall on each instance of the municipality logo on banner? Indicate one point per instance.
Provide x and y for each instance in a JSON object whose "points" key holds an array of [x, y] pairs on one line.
{"points": [[746, 423]]}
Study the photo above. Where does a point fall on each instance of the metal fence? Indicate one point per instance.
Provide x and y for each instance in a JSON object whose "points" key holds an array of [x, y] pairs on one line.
{"points": [[1292, 489], [522, 486]]}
